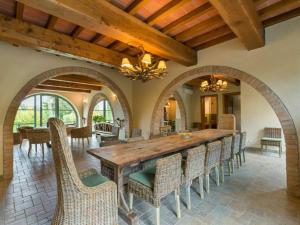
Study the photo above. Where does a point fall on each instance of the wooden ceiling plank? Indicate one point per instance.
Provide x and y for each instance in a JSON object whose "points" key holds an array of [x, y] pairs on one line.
{"points": [[209, 36], [201, 28], [282, 17], [77, 79], [278, 8], [203, 9], [19, 10], [135, 6], [104, 18], [71, 85], [216, 41], [51, 22], [166, 10], [29, 35], [242, 18], [77, 30], [54, 88]]}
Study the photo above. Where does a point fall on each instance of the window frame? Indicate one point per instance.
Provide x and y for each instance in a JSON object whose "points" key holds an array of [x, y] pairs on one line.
{"points": [[105, 102], [39, 108]]}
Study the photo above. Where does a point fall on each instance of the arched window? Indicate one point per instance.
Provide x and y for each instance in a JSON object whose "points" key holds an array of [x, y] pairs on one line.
{"points": [[35, 111], [103, 109]]}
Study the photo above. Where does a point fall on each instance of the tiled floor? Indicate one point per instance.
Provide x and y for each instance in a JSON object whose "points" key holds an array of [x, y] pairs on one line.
{"points": [[253, 195]]}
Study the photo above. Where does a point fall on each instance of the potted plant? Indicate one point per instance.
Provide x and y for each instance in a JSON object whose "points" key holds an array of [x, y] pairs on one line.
{"points": [[98, 119]]}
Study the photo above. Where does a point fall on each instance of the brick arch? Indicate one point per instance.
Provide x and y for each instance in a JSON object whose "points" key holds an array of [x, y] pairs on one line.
{"points": [[13, 107], [287, 123], [95, 100]]}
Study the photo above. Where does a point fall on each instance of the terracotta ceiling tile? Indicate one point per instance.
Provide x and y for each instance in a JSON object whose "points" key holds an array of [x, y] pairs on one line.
{"points": [[35, 16], [151, 8], [7, 7], [64, 26], [86, 35], [181, 12]]}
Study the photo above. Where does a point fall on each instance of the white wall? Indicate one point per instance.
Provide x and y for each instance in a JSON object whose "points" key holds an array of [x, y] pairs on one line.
{"points": [[256, 115]]}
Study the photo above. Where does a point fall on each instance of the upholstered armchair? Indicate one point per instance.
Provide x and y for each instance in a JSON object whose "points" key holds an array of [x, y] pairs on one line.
{"points": [[85, 198], [81, 133]]}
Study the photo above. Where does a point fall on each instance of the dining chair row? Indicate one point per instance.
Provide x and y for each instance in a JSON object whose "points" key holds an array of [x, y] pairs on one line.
{"points": [[180, 169]]}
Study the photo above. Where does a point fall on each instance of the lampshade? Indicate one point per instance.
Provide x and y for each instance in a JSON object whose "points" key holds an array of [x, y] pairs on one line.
{"points": [[162, 65], [204, 84], [224, 84], [126, 63], [146, 59], [220, 82]]}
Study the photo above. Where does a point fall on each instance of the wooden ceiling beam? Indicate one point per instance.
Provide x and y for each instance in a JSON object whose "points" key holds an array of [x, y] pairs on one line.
{"points": [[104, 18], [51, 22], [71, 85], [77, 79], [216, 41], [203, 9], [166, 10], [201, 28], [243, 20], [135, 6], [209, 36], [282, 17], [19, 10], [278, 8], [54, 88], [29, 35]]}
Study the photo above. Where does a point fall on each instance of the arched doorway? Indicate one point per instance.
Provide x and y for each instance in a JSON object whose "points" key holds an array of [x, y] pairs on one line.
{"points": [[95, 100], [13, 107], [287, 123]]}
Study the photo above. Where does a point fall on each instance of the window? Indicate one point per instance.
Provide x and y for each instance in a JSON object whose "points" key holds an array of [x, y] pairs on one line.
{"points": [[103, 109], [35, 111]]}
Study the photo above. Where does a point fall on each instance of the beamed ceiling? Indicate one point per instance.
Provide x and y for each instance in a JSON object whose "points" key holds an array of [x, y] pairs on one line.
{"points": [[105, 31]]}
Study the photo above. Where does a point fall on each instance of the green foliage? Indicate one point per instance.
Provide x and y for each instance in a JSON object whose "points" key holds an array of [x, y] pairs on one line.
{"points": [[98, 119]]}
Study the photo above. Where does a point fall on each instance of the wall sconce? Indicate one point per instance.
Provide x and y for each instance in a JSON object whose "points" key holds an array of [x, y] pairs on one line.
{"points": [[114, 95], [85, 100]]}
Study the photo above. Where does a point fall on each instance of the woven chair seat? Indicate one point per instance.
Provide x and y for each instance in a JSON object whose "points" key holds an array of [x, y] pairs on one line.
{"points": [[94, 180], [145, 177], [271, 139]]}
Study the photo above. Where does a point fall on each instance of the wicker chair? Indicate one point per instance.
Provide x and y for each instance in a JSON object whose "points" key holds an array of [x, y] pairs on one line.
{"points": [[242, 147], [227, 122], [81, 133], [193, 167], [85, 198], [155, 183], [23, 134], [136, 132], [272, 137], [38, 136], [225, 156], [212, 161], [235, 149]]}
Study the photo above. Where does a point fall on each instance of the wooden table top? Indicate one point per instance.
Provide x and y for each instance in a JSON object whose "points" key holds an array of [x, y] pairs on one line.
{"points": [[122, 155]]}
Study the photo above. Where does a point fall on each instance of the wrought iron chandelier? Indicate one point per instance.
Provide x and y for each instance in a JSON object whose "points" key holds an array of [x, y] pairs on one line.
{"points": [[148, 68], [213, 85]]}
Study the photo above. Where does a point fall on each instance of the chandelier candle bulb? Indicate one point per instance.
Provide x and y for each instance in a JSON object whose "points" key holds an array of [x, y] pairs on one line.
{"points": [[147, 59]]}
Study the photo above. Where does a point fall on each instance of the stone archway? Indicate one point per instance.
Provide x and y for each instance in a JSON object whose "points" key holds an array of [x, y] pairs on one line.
{"points": [[95, 100], [13, 107], [287, 123]]}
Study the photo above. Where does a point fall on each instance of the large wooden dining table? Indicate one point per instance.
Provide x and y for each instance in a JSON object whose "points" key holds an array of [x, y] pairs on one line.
{"points": [[116, 158]]}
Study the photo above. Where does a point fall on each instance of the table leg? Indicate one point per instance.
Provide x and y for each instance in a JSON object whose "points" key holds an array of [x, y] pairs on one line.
{"points": [[125, 213]]}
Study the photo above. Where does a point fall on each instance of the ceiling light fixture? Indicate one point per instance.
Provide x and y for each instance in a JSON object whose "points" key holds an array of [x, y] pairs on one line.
{"points": [[213, 85], [148, 67]]}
